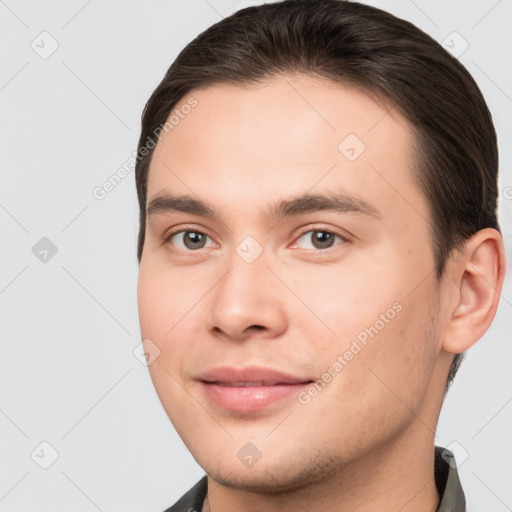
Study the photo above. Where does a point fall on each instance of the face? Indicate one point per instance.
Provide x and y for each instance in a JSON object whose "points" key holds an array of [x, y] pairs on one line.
{"points": [[287, 281]]}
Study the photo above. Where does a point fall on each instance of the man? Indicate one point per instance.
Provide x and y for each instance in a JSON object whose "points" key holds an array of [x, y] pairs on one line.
{"points": [[318, 247]]}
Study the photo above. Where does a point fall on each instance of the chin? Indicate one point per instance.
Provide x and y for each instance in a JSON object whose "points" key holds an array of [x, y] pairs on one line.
{"points": [[276, 478]]}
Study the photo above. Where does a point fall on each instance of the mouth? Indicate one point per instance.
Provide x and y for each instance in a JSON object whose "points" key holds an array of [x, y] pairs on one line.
{"points": [[249, 389]]}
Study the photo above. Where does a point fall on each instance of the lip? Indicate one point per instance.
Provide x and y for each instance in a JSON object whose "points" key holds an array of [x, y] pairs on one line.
{"points": [[251, 388]]}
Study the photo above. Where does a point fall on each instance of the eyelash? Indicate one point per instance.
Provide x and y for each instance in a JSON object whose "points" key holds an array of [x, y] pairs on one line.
{"points": [[303, 231]]}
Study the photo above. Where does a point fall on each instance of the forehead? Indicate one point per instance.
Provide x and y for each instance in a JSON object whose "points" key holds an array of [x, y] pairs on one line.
{"points": [[287, 135]]}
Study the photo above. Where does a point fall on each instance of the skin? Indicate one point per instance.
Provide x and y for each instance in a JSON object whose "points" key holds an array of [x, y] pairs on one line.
{"points": [[365, 441]]}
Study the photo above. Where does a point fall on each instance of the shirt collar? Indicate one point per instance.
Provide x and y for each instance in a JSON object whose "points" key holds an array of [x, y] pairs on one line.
{"points": [[447, 482]]}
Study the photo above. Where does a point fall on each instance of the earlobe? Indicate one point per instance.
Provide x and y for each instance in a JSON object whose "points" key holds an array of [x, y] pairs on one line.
{"points": [[479, 276]]}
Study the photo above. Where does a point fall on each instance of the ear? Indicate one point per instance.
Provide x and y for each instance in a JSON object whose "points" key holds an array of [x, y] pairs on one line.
{"points": [[475, 281]]}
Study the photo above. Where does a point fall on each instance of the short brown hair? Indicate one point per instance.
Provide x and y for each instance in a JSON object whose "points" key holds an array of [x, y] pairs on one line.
{"points": [[365, 47]]}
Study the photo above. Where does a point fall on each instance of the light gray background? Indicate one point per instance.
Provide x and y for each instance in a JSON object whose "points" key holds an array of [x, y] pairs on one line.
{"points": [[68, 375]]}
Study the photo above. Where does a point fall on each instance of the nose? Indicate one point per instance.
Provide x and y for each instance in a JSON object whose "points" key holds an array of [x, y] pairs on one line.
{"points": [[247, 302]]}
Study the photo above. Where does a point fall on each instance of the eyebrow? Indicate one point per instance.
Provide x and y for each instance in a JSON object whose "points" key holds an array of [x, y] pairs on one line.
{"points": [[306, 203]]}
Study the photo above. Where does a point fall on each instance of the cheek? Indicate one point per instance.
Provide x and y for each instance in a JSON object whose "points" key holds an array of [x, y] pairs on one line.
{"points": [[164, 298], [382, 336], [164, 303], [395, 364], [343, 301]]}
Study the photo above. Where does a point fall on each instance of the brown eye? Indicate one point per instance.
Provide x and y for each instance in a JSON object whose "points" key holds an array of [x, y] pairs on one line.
{"points": [[319, 239], [322, 239], [189, 240]]}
